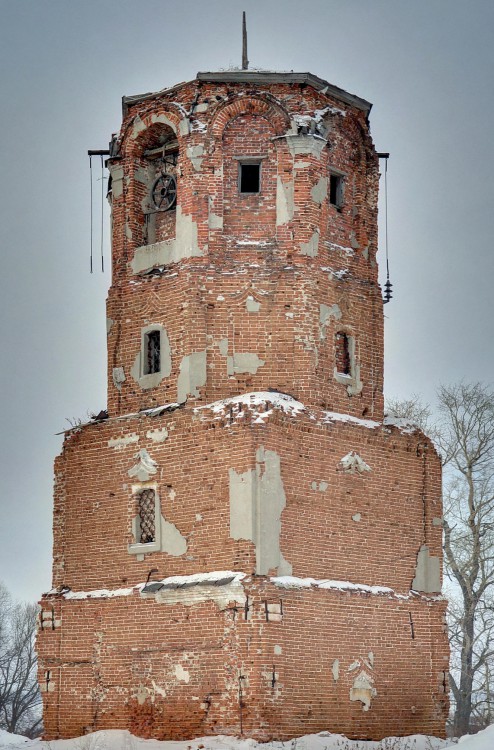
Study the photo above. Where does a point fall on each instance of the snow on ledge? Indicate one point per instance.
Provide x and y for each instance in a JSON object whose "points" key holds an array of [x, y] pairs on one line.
{"points": [[214, 577], [406, 426], [292, 582], [334, 416], [221, 578]]}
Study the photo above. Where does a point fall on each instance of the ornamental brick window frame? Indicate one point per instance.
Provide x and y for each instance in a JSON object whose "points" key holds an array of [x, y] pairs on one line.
{"points": [[141, 372], [144, 548]]}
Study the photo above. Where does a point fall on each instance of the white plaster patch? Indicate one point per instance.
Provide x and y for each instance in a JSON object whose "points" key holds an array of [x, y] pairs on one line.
{"points": [[192, 376], [242, 362], [257, 500], [277, 650], [352, 463], [184, 245], [195, 154], [183, 675], [363, 689], [252, 305], [122, 442], [118, 377], [335, 669], [319, 192], [311, 247], [357, 517], [284, 201], [145, 467], [326, 314], [158, 435]]}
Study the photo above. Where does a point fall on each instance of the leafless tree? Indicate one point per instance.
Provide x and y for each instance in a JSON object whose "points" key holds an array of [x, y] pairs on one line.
{"points": [[20, 700], [464, 435]]}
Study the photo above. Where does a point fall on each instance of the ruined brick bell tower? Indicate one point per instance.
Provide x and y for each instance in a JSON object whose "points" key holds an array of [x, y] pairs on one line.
{"points": [[244, 545]]}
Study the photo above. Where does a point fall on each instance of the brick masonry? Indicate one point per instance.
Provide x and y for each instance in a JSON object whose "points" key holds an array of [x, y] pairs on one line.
{"points": [[297, 536]]}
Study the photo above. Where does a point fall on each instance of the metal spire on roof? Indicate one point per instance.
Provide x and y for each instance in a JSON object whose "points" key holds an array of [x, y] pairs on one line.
{"points": [[245, 61]]}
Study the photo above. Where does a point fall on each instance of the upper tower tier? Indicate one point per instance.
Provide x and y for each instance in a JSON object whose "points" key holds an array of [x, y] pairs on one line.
{"points": [[244, 239]]}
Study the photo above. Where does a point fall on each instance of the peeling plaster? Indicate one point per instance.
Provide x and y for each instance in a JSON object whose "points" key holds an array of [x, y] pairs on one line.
{"points": [[357, 517], [363, 689], [195, 154], [157, 436], [336, 670], [223, 347], [171, 539], [277, 650], [145, 467], [189, 596], [257, 500], [252, 305], [192, 376], [152, 380], [183, 675], [322, 486], [311, 247], [109, 325], [319, 192], [137, 127], [352, 463], [122, 442], [427, 572], [284, 201], [184, 245], [305, 145], [326, 313], [117, 176], [215, 221], [242, 362], [118, 377]]}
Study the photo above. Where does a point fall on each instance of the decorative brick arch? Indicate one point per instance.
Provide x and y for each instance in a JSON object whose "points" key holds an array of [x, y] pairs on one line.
{"points": [[250, 105], [142, 127]]}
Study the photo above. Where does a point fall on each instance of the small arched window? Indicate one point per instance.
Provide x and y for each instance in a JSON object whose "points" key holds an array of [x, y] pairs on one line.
{"points": [[342, 354]]}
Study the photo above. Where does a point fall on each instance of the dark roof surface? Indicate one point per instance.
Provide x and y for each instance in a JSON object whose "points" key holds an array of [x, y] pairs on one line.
{"points": [[261, 77]]}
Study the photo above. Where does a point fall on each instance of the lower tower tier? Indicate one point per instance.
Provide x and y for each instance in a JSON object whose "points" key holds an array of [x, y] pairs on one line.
{"points": [[248, 567]]}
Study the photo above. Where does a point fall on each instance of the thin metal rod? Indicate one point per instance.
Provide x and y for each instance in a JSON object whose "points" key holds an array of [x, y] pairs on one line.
{"points": [[102, 213], [245, 60], [386, 214], [91, 212]]}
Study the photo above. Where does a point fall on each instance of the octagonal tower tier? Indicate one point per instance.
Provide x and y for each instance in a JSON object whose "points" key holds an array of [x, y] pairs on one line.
{"points": [[244, 245]]}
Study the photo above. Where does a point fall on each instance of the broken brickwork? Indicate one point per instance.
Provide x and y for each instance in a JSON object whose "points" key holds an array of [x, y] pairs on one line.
{"points": [[245, 545]]}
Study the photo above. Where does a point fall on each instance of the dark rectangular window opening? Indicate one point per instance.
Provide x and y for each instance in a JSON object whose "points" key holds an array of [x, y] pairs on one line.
{"points": [[342, 346], [250, 178], [336, 190], [146, 510], [152, 362]]}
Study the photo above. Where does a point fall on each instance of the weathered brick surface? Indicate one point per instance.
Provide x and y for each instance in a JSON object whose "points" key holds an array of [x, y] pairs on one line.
{"points": [[249, 292]]}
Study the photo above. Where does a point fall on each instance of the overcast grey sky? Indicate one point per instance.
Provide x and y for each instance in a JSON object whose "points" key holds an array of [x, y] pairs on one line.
{"points": [[427, 66]]}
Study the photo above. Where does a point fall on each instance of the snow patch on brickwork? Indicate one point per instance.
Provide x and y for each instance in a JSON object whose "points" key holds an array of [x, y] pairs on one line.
{"points": [[333, 416], [406, 426]]}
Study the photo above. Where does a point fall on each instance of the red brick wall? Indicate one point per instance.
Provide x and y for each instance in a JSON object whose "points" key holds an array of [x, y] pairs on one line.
{"points": [[257, 287]]}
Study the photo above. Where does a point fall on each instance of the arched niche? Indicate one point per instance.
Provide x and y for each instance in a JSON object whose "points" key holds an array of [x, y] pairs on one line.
{"points": [[155, 154]]}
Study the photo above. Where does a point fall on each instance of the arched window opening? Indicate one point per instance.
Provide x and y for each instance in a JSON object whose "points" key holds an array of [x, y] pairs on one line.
{"points": [[342, 354], [157, 173]]}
